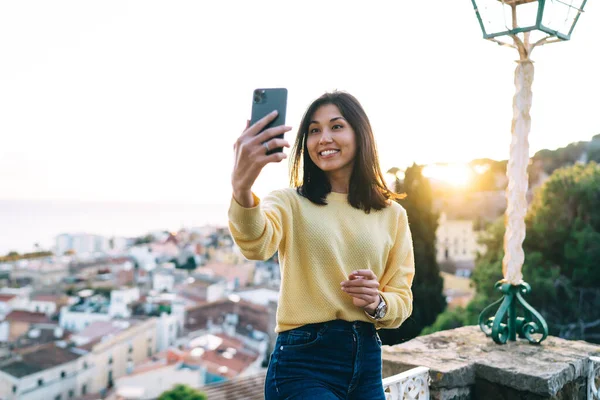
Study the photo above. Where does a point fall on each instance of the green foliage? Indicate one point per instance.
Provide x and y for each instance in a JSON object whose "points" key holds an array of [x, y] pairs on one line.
{"points": [[564, 223], [14, 256], [428, 299], [182, 392], [189, 264], [103, 291], [449, 319], [554, 159], [593, 150], [562, 249], [144, 240]]}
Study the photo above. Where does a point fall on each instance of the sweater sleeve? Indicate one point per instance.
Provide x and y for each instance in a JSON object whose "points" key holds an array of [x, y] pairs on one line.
{"points": [[395, 285], [258, 230]]}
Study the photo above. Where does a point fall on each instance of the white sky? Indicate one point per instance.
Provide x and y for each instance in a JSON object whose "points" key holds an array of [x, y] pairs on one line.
{"points": [[143, 100]]}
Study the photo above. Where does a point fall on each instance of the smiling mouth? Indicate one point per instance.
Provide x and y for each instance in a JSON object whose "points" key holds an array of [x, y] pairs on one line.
{"points": [[328, 153]]}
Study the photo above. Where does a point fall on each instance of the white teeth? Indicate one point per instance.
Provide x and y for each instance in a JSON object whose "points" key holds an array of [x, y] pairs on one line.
{"points": [[328, 152]]}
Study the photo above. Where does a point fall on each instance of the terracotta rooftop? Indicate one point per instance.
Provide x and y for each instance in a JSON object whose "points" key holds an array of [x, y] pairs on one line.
{"points": [[30, 317], [6, 297], [43, 334], [249, 314], [41, 358], [235, 362], [54, 298], [98, 329]]}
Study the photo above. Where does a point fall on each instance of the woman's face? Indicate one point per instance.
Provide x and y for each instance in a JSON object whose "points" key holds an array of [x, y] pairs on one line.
{"points": [[331, 142]]}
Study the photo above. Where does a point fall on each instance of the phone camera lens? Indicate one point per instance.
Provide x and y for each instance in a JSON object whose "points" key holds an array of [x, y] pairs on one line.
{"points": [[259, 95]]}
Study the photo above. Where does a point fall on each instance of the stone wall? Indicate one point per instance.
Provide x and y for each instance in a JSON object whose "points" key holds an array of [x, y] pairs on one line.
{"points": [[465, 364]]}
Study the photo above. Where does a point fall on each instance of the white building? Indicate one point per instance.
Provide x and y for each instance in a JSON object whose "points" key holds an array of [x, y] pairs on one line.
{"points": [[116, 347], [49, 372], [144, 256], [170, 326], [41, 303], [77, 318], [262, 296], [81, 243], [163, 281], [204, 288], [119, 243], [149, 380], [121, 299], [456, 243], [8, 302], [96, 309]]}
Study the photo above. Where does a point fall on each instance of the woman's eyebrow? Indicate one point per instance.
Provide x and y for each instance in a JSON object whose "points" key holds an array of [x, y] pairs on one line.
{"points": [[331, 120]]}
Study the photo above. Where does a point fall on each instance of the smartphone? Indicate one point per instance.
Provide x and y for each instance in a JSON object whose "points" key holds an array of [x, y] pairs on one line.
{"points": [[266, 100]]}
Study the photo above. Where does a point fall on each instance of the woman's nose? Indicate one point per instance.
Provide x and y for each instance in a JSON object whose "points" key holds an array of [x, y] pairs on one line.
{"points": [[325, 137]]}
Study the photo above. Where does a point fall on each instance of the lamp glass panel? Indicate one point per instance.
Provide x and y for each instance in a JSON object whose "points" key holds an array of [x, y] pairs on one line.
{"points": [[527, 14], [560, 15], [495, 16]]}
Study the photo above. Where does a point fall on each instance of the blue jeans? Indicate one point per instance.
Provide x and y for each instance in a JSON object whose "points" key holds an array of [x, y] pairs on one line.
{"points": [[331, 360]]}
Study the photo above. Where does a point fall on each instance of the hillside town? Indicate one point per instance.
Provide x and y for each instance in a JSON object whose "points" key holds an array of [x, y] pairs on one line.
{"points": [[132, 317]]}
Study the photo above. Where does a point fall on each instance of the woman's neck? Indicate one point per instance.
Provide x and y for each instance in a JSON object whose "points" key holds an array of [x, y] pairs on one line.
{"points": [[339, 184]]}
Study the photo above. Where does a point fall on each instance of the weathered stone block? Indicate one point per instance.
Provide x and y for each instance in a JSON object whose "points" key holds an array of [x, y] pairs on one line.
{"points": [[465, 364]]}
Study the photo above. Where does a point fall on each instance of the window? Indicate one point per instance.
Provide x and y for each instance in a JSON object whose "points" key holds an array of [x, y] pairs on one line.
{"points": [[130, 350], [71, 393], [149, 351], [58, 397], [85, 365], [14, 389], [84, 390], [40, 382], [63, 374], [110, 360]]}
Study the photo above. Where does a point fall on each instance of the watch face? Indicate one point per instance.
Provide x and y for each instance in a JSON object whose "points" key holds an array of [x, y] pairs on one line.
{"points": [[381, 311]]}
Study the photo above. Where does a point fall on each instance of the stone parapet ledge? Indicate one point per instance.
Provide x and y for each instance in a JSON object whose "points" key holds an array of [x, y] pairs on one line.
{"points": [[465, 364]]}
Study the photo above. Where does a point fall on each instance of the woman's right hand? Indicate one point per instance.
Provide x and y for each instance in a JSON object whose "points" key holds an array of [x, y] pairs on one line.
{"points": [[251, 156]]}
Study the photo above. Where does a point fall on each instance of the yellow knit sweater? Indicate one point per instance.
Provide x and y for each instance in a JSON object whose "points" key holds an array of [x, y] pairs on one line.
{"points": [[319, 246]]}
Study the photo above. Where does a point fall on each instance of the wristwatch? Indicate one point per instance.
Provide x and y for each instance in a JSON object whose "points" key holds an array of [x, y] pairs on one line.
{"points": [[379, 311]]}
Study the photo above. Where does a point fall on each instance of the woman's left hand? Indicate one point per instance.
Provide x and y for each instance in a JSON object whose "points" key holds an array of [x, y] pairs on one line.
{"points": [[363, 286]]}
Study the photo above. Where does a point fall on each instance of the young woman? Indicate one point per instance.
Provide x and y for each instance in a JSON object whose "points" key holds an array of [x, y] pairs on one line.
{"points": [[345, 251]]}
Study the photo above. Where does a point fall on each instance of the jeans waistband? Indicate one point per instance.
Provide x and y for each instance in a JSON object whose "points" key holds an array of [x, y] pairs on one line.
{"points": [[340, 325]]}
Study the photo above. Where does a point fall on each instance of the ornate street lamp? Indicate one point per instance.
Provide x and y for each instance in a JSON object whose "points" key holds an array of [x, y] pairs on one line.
{"points": [[523, 25]]}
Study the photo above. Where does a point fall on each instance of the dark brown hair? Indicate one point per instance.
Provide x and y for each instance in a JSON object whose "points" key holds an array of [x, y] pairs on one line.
{"points": [[367, 186]]}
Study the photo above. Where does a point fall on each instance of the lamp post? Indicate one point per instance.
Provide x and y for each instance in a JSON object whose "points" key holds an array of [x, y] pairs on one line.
{"points": [[523, 25]]}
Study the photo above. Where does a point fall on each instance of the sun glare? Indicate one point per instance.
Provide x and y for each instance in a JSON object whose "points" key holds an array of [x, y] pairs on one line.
{"points": [[458, 175]]}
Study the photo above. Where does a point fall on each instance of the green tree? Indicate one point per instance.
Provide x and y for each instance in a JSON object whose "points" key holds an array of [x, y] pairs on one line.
{"points": [[593, 149], [189, 264], [428, 298], [143, 239], [562, 249], [182, 392]]}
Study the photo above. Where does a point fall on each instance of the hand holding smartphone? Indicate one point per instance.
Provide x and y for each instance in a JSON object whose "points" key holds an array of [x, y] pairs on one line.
{"points": [[264, 101], [261, 142]]}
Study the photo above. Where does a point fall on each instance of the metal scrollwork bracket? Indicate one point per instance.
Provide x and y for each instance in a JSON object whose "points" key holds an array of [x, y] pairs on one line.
{"points": [[504, 324]]}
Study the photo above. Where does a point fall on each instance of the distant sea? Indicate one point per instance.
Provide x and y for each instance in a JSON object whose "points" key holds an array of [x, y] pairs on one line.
{"points": [[24, 223]]}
